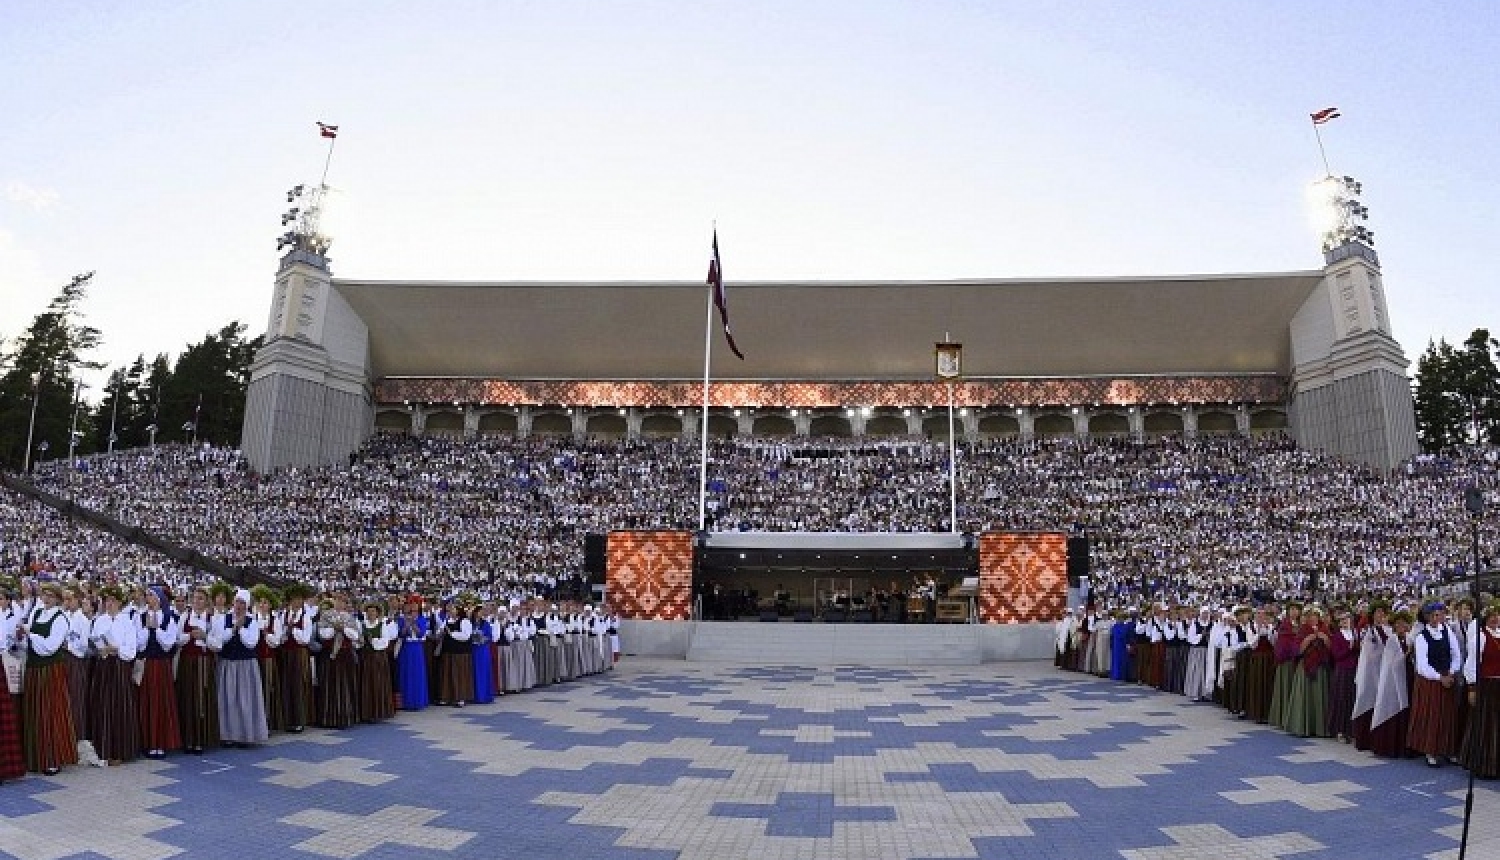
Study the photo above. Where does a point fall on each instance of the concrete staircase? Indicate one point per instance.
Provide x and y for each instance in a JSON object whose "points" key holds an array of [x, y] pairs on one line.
{"points": [[788, 643]]}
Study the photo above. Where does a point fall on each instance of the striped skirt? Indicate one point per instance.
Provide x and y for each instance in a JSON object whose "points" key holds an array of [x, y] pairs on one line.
{"points": [[1259, 669], [242, 703], [46, 718], [295, 684], [457, 681], [270, 692], [114, 720], [157, 701], [1341, 702], [338, 690], [1434, 712], [375, 700], [12, 759], [1481, 752], [78, 669], [197, 700]]}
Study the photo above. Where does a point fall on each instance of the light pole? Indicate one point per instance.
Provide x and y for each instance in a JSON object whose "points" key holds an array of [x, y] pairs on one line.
{"points": [[36, 392], [151, 429], [1474, 505], [73, 426], [114, 409]]}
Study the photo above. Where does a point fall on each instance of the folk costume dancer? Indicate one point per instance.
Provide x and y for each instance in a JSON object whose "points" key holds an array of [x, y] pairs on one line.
{"points": [[482, 656], [241, 700], [1121, 647], [1390, 722], [1437, 662], [294, 666], [1174, 674], [1481, 749], [197, 682], [411, 662], [156, 643], [1463, 624], [1198, 677], [78, 658], [456, 664], [47, 735], [1234, 645], [376, 700], [1344, 651], [267, 656], [114, 711], [1288, 655], [12, 756], [338, 681], [1307, 702], [1372, 640]]}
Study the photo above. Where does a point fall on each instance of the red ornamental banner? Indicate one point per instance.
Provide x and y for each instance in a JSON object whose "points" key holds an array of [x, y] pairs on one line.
{"points": [[1023, 577], [648, 575]]}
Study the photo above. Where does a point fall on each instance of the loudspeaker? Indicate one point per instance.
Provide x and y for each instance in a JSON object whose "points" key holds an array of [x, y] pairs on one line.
{"points": [[1078, 559], [595, 548]]}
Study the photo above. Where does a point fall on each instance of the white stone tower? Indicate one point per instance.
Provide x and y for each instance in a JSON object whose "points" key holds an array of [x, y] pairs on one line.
{"points": [[1350, 394]]}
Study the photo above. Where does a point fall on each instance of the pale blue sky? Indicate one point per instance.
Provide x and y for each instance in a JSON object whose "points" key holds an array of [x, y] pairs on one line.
{"points": [[152, 141]]}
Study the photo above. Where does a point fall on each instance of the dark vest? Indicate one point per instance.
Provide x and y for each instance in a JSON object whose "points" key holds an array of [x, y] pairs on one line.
{"points": [[154, 651], [234, 649], [44, 629], [455, 646], [1439, 653]]}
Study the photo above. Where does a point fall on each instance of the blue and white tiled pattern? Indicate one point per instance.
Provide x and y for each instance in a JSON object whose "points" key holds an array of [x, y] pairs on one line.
{"points": [[674, 760]]}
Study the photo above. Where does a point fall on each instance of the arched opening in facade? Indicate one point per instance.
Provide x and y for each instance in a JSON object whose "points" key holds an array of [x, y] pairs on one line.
{"points": [[1163, 423], [886, 424], [393, 421], [935, 427], [552, 424], [661, 426], [610, 425], [1217, 423], [1109, 424], [999, 425], [498, 424], [1053, 424], [774, 425], [445, 423], [830, 424], [1268, 421], [722, 426]]}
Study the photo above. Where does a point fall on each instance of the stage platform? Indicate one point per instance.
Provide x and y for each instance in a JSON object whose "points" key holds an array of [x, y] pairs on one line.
{"points": [[820, 644]]}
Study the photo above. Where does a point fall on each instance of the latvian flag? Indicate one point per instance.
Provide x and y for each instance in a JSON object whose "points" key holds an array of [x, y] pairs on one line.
{"points": [[1325, 115], [716, 280], [326, 130]]}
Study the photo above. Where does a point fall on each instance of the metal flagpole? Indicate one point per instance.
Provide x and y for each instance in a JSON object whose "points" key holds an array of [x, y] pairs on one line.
{"points": [[708, 339], [1327, 171], [323, 182]]}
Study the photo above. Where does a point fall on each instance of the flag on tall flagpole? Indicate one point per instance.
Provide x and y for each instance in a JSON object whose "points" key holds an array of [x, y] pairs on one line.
{"points": [[326, 130], [716, 280], [1325, 115]]}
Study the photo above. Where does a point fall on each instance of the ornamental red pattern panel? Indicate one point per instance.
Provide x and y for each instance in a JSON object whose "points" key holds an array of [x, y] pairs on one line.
{"points": [[1113, 391], [648, 575], [1023, 576]]}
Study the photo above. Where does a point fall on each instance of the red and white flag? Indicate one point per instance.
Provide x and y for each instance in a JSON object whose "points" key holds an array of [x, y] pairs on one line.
{"points": [[1325, 115], [716, 281], [326, 130]]}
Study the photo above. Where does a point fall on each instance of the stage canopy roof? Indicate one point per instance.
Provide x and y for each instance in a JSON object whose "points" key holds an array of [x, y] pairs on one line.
{"points": [[844, 330]]}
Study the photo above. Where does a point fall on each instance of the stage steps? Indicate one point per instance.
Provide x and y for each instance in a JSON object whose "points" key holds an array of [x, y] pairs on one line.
{"points": [[818, 644]]}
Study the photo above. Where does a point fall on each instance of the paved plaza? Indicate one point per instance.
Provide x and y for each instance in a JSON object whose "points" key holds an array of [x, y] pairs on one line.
{"points": [[702, 762]]}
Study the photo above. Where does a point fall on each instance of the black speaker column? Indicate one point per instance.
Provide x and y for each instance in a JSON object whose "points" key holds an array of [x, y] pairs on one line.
{"points": [[594, 550], [1078, 559]]}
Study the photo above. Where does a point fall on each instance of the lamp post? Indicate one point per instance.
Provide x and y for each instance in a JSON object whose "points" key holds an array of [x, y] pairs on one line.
{"points": [[1474, 505], [73, 426], [36, 392], [114, 409], [950, 367], [151, 430]]}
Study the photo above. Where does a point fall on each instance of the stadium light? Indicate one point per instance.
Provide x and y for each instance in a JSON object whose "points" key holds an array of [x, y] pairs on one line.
{"points": [[1338, 214]]}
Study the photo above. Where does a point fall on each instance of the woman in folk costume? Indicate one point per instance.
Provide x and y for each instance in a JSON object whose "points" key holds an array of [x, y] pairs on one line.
{"points": [[12, 757], [1095, 657], [156, 643], [114, 714], [1062, 652], [1288, 654], [483, 657], [1390, 721], [523, 652], [268, 656], [1260, 667], [47, 734], [1372, 639], [1463, 624], [376, 702], [432, 650], [1235, 643], [1481, 747], [1150, 640], [1437, 662], [241, 700], [1197, 682], [456, 663], [79, 612], [614, 638], [1307, 704], [1120, 647], [338, 678], [197, 684], [411, 662], [294, 667], [1344, 651]]}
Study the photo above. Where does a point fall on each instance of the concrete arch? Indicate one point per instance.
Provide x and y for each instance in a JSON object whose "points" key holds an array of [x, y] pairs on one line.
{"points": [[552, 424], [445, 423], [999, 424], [393, 421], [886, 424], [1217, 422], [830, 424], [722, 426], [1109, 424], [774, 425], [661, 425], [1054, 424], [607, 425], [498, 424], [1163, 423], [935, 427], [1268, 421]]}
